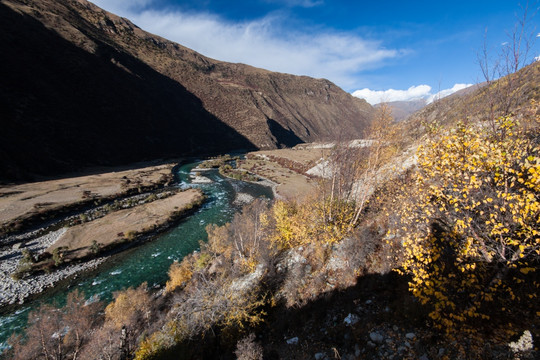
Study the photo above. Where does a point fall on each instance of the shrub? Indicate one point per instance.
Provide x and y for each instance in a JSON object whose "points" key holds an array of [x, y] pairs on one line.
{"points": [[128, 307], [95, 247], [471, 232], [202, 260], [151, 197], [245, 241], [23, 268], [179, 274], [150, 347], [324, 220], [249, 349], [58, 256], [28, 256], [130, 235]]}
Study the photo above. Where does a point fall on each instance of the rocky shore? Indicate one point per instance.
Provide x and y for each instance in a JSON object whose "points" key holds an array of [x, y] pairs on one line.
{"points": [[13, 291]]}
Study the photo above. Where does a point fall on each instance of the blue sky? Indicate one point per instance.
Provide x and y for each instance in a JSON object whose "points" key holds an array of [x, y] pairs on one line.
{"points": [[415, 48]]}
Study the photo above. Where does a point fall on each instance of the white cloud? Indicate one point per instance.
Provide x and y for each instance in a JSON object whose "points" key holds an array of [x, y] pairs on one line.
{"points": [[413, 93], [121, 7], [446, 92], [266, 42], [377, 96]]}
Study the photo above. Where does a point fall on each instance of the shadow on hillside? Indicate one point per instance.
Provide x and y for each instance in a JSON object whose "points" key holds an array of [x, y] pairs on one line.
{"points": [[377, 300], [283, 137], [63, 108]]}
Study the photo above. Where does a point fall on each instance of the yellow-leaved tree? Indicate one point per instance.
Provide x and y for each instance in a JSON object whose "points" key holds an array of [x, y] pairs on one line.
{"points": [[471, 226], [308, 222]]}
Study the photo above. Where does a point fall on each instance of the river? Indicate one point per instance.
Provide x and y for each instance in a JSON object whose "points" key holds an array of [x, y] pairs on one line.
{"points": [[150, 261]]}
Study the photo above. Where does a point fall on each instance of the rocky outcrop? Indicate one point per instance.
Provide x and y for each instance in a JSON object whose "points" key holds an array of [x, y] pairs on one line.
{"points": [[81, 86]]}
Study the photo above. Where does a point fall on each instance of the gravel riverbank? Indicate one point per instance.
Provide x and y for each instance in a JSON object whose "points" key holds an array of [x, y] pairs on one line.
{"points": [[12, 291]]}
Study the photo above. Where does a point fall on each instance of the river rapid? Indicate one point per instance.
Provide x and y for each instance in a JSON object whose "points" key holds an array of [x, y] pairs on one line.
{"points": [[150, 261]]}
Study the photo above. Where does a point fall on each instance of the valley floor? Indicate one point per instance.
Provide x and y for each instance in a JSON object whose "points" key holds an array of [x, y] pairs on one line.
{"points": [[55, 229]]}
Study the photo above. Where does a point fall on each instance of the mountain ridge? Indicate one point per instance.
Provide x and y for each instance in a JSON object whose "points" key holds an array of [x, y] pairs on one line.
{"points": [[401, 110], [175, 86], [482, 101]]}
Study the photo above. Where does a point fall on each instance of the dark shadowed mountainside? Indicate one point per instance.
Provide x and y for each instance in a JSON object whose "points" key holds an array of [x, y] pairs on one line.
{"points": [[81, 87]]}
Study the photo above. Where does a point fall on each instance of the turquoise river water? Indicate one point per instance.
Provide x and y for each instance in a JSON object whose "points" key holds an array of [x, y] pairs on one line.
{"points": [[150, 261]]}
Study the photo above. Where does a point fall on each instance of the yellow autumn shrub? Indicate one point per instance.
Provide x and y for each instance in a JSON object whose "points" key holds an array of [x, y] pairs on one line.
{"points": [[470, 221], [179, 274], [314, 220], [128, 306]]}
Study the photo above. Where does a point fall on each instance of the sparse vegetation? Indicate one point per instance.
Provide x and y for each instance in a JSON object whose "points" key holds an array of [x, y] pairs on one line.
{"points": [[58, 255], [95, 247], [216, 162], [228, 171]]}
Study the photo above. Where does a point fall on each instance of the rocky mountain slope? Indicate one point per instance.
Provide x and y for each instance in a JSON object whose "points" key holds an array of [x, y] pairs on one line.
{"points": [[80, 86], [481, 102]]}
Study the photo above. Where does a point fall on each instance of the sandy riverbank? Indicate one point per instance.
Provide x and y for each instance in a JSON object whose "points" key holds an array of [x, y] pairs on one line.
{"points": [[24, 203], [125, 225], [285, 183]]}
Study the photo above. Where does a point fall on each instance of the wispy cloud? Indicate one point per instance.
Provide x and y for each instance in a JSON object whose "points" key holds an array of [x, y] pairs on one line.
{"points": [[122, 7], [413, 93], [266, 42], [301, 3]]}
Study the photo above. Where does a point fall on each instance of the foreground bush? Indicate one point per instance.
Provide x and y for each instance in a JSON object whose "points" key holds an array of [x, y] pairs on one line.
{"points": [[57, 333], [471, 229]]}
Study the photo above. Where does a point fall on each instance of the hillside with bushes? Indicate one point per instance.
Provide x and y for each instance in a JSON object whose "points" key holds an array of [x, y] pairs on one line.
{"points": [[413, 239], [435, 256]]}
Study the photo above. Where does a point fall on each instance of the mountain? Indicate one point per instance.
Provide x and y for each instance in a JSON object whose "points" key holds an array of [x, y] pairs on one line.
{"points": [[482, 101], [402, 109], [80, 86]]}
